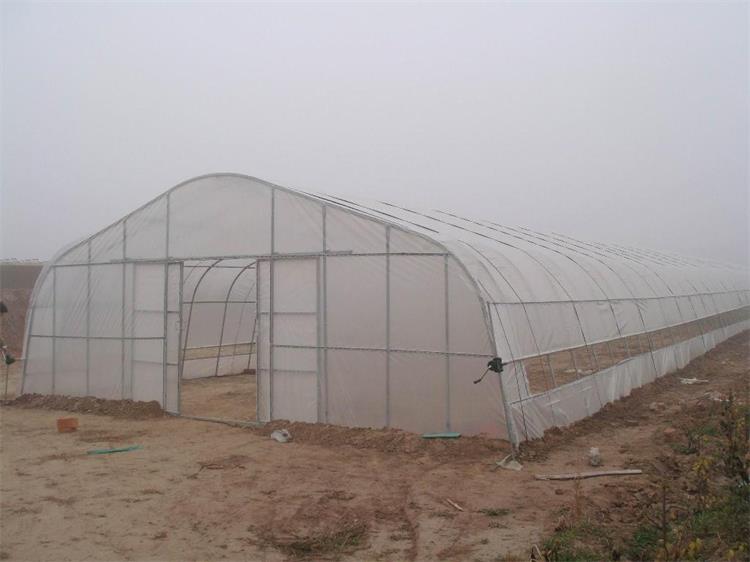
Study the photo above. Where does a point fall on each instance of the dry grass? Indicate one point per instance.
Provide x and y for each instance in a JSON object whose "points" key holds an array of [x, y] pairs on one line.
{"points": [[327, 544]]}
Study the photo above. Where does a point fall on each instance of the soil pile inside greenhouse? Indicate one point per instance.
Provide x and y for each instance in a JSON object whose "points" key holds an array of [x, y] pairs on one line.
{"points": [[89, 405], [199, 490]]}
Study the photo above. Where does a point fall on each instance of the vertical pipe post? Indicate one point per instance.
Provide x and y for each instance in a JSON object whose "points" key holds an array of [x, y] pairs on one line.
{"points": [[88, 317], [165, 346], [122, 315], [271, 304], [254, 334], [325, 314], [318, 353], [597, 367], [133, 301], [224, 318], [54, 327], [258, 338], [165, 338], [648, 340], [388, 326], [551, 369], [166, 243], [447, 347], [575, 364], [179, 338]]}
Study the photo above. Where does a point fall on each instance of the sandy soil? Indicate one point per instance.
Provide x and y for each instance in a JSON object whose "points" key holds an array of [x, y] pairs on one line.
{"points": [[230, 397], [199, 491]]}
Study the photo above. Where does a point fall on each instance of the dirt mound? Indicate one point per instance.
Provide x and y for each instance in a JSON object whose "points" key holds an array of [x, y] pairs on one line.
{"points": [[89, 405], [389, 440]]}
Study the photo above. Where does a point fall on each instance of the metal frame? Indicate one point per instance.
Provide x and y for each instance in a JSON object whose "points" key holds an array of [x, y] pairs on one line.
{"points": [[258, 336], [447, 347], [388, 326], [224, 315], [54, 329], [88, 321], [271, 305], [122, 310], [273, 346], [323, 333], [590, 259]]}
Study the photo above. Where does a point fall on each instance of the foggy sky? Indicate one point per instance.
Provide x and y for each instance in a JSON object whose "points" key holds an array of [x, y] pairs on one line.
{"points": [[617, 122]]}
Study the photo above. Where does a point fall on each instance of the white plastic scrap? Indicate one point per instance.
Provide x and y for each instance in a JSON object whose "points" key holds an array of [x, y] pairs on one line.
{"points": [[693, 381], [595, 458], [281, 435], [509, 463]]}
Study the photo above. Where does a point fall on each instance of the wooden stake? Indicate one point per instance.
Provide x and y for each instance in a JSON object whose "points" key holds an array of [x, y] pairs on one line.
{"points": [[582, 475], [454, 504]]}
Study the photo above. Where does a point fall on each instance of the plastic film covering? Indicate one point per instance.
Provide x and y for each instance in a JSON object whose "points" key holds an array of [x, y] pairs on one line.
{"points": [[366, 313]]}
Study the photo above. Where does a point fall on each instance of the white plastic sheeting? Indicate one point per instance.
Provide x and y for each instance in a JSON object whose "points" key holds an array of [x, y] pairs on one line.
{"points": [[366, 313]]}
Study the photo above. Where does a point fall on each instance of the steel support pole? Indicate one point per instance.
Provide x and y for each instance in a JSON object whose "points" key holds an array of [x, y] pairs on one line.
{"points": [[648, 339], [575, 363], [317, 342], [224, 316], [165, 346], [271, 305], [133, 301], [88, 318], [447, 347], [387, 326], [324, 296], [54, 328], [179, 340], [164, 342], [122, 316], [253, 346], [259, 338], [190, 312]]}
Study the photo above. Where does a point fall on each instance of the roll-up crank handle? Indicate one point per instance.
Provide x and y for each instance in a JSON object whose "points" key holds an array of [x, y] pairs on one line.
{"points": [[495, 365]]}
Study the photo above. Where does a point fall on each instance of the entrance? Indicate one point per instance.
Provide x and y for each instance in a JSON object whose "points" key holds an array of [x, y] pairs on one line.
{"points": [[218, 378]]}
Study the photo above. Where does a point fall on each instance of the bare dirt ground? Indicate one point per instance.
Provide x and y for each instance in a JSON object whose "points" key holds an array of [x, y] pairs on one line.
{"points": [[230, 397], [203, 491]]}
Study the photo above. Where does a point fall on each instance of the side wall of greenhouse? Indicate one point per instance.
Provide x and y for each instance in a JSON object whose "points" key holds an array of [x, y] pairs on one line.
{"points": [[359, 322], [580, 324], [560, 373]]}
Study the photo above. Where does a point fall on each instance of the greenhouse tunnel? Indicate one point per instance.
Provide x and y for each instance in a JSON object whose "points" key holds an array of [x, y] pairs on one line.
{"points": [[229, 297]]}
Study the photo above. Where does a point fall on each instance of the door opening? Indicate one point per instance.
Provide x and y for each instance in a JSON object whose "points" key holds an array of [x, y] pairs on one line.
{"points": [[218, 351]]}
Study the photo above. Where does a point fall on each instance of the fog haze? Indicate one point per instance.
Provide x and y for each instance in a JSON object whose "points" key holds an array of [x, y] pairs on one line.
{"points": [[617, 122]]}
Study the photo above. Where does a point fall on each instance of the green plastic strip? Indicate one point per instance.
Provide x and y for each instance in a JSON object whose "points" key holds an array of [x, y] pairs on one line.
{"points": [[447, 435], [115, 450]]}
